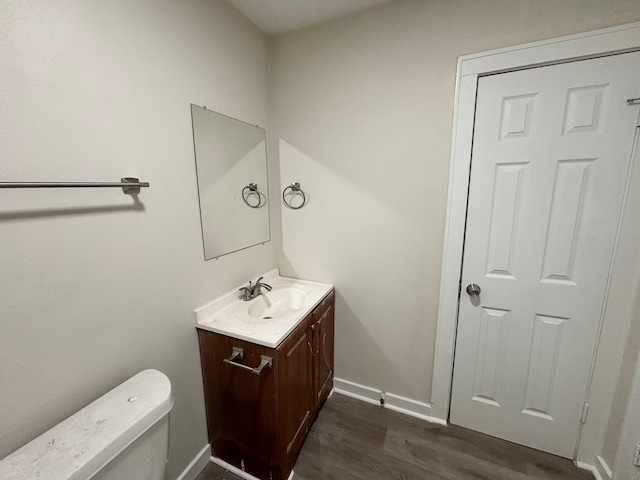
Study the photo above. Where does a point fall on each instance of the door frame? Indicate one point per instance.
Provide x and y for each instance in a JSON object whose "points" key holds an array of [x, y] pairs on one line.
{"points": [[619, 39]]}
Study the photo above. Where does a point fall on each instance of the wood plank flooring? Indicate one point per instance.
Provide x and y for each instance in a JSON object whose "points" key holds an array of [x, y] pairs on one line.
{"points": [[354, 440]]}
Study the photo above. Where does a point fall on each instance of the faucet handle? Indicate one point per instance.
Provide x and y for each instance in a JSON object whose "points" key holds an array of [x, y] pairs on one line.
{"points": [[246, 295]]}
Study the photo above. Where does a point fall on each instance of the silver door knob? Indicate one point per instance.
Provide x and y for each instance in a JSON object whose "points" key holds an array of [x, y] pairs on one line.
{"points": [[473, 290]]}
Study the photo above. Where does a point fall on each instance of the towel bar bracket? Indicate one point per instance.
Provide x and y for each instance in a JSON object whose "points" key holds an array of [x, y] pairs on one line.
{"points": [[129, 185]]}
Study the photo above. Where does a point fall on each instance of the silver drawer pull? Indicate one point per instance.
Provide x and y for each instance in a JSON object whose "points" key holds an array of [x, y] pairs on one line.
{"points": [[238, 354]]}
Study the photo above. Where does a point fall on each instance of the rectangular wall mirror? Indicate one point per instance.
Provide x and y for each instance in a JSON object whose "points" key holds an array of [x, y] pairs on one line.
{"points": [[231, 166]]}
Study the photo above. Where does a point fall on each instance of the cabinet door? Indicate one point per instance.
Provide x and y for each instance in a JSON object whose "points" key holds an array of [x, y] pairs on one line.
{"points": [[295, 396], [240, 405], [323, 324]]}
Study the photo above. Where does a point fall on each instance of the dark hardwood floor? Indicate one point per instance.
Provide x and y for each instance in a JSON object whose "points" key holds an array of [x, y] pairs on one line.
{"points": [[355, 440]]}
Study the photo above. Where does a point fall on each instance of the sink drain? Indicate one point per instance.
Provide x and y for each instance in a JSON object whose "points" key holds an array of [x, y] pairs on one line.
{"points": [[266, 318]]}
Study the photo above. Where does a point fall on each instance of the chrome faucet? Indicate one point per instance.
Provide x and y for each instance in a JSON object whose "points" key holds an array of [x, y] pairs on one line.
{"points": [[246, 293], [257, 286], [254, 289]]}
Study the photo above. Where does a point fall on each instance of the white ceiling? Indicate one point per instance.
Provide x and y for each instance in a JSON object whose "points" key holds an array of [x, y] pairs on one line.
{"points": [[278, 16]]}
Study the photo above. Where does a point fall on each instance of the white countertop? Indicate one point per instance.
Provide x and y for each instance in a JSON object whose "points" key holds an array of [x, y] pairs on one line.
{"points": [[229, 315]]}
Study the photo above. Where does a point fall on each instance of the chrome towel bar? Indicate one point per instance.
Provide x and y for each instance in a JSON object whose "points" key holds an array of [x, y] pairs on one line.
{"points": [[237, 353], [129, 184]]}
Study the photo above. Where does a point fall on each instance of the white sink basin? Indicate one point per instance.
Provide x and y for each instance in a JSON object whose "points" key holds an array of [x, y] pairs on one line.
{"points": [[276, 303], [268, 318]]}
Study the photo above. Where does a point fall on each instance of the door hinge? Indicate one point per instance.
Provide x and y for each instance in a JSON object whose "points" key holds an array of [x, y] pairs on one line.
{"points": [[585, 412], [636, 456]]}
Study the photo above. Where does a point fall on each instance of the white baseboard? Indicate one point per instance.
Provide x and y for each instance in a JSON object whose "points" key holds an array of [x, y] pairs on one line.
{"points": [[393, 402], [410, 407], [237, 471], [197, 464], [599, 468], [359, 392], [606, 471], [590, 468]]}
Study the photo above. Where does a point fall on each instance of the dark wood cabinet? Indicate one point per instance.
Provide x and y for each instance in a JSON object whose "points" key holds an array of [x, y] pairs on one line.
{"points": [[258, 421], [239, 403], [294, 401], [322, 328]]}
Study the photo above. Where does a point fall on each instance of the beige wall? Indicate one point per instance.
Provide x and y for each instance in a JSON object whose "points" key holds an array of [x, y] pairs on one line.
{"points": [[623, 428], [362, 115], [93, 290], [618, 359]]}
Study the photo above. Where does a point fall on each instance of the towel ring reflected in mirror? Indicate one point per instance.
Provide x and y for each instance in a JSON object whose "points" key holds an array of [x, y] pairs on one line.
{"points": [[294, 190], [251, 191]]}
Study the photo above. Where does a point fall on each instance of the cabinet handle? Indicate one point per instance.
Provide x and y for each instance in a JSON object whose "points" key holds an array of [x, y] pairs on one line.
{"points": [[310, 348], [238, 353]]}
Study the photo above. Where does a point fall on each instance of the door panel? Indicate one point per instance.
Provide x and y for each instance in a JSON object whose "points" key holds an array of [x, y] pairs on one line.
{"points": [[294, 393], [242, 422], [550, 159], [323, 339]]}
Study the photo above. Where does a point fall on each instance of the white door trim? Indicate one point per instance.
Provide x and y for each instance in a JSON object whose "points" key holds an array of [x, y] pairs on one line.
{"points": [[584, 45]]}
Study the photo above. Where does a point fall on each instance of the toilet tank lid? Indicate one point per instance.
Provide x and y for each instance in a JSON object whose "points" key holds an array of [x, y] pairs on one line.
{"points": [[81, 445]]}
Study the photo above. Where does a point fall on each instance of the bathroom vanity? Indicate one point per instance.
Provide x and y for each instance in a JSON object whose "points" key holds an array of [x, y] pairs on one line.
{"points": [[267, 368]]}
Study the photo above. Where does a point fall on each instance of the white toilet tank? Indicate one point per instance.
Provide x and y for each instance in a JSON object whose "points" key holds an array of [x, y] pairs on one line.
{"points": [[122, 435]]}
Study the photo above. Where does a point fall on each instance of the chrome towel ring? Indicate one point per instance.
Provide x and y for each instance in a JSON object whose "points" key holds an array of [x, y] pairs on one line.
{"points": [[294, 189], [251, 190]]}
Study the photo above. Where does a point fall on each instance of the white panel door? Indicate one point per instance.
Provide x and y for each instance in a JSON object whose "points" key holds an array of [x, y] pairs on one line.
{"points": [[550, 159]]}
